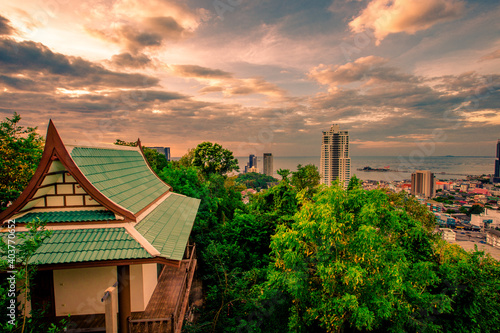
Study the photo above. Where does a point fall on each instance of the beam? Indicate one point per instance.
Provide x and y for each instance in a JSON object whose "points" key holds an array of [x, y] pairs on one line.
{"points": [[124, 307]]}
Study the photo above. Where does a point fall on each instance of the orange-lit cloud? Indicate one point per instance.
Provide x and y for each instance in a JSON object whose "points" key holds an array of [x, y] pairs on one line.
{"points": [[144, 25], [491, 56], [386, 17], [369, 69]]}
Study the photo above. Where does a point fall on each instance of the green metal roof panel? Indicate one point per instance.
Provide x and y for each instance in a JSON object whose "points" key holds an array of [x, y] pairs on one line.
{"points": [[80, 245], [121, 175], [69, 216], [168, 226]]}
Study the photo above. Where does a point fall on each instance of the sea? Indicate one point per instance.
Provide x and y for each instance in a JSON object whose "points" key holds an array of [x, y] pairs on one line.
{"points": [[401, 167]]}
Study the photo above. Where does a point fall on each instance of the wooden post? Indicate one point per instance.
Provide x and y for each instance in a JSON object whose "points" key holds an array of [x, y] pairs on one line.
{"points": [[110, 306], [124, 308]]}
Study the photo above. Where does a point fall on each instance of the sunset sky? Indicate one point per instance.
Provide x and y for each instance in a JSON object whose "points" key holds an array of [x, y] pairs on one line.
{"points": [[404, 77]]}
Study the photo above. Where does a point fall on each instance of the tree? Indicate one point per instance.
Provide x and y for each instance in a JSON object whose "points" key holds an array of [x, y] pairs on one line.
{"points": [[255, 180], [284, 173], [211, 158], [359, 260], [475, 209], [156, 160], [306, 178], [21, 150]]}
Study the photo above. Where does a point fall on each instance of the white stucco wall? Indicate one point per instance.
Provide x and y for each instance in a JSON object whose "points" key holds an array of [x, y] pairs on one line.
{"points": [[79, 291]]}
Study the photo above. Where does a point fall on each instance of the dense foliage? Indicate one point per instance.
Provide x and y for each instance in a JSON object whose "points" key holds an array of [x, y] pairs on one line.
{"points": [[255, 180], [304, 258], [21, 150]]}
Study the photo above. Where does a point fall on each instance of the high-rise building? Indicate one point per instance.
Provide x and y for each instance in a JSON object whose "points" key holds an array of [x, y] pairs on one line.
{"points": [[162, 150], [496, 176], [252, 164], [422, 184], [252, 161], [167, 153], [267, 163], [335, 163]]}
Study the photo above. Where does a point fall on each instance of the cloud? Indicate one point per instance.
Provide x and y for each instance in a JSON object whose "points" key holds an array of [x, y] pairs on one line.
{"points": [[57, 70], [196, 71], [370, 69], [128, 60], [148, 25], [5, 27], [386, 17], [491, 56], [219, 81]]}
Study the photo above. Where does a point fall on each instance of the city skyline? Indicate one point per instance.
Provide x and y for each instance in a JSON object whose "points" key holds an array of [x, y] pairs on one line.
{"points": [[404, 78]]}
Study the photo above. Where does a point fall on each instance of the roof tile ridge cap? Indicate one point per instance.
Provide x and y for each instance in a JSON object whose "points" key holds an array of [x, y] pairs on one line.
{"points": [[72, 227], [152, 207], [130, 228]]}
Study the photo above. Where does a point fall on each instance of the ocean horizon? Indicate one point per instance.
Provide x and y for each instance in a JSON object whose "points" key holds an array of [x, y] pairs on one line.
{"points": [[444, 167]]}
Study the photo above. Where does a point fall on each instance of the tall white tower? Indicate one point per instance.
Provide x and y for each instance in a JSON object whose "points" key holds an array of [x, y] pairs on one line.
{"points": [[335, 161]]}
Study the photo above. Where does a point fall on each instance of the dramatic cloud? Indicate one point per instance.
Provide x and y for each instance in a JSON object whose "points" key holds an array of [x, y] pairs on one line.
{"points": [[200, 72], [152, 24], [5, 27], [369, 69], [129, 60], [217, 80], [261, 76], [386, 17], [55, 69]]}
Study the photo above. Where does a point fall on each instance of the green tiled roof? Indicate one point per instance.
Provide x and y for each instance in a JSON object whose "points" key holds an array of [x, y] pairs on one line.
{"points": [[168, 226], [121, 175], [69, 216], [65, 246]]}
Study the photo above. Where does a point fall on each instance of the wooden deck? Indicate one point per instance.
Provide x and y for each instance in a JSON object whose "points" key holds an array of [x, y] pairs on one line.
{"points": [[167, 307]]}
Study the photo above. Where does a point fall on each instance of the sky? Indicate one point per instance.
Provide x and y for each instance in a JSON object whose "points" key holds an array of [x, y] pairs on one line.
{"points": [[408, 78]]}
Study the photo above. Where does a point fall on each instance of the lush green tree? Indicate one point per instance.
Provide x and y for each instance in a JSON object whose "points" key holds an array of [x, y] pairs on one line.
{"points": [[284, 173], [21, 151], [211, 158], [306, 178], [362, 260], [156, 160]]}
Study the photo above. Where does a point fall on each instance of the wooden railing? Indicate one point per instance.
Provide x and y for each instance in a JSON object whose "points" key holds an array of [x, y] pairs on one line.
{"points": [[155, 325], [170, 324]]}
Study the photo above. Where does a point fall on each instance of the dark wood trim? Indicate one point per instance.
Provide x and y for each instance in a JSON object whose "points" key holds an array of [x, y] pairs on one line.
{"points": [[124, 307], [107, 263], [61, 195], [55, 150], [55, 173]]}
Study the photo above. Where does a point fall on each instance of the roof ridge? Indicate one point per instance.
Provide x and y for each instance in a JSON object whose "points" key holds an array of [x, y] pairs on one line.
{"points": [[129, 227]]}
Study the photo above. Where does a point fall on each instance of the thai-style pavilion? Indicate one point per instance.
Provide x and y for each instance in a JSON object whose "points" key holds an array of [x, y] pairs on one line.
{"points": [[119, 242]]}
